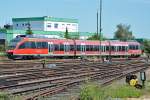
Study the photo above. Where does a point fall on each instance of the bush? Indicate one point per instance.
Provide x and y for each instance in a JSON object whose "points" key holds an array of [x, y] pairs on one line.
{"points": [[92, 92], [2, 48]]}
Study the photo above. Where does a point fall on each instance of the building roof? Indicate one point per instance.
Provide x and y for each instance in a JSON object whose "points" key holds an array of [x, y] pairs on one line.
{"points": [[45, 18]]}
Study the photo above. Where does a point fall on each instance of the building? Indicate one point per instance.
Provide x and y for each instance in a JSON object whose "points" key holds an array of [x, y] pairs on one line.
{"points": [[51, 27]]}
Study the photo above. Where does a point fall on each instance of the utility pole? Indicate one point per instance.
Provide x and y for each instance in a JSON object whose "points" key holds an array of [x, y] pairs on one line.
{"points": [[97, 23], [100, 27]]}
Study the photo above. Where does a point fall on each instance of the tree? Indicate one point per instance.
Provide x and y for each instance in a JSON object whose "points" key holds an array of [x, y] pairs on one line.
{"points": [[123, 33], [66, 34], [96, 37], [146, 46], [29, 31], [7, 26]]}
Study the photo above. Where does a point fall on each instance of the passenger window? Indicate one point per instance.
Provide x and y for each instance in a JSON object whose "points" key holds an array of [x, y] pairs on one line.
{"points": [[56, 46], [33, 46], [61, 47], [112, 48], [107, 48], [42, 45], [123, 48], [72, 47], [87, 48], [78, 48]]}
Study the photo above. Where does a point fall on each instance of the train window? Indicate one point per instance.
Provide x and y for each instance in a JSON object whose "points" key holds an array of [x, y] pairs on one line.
{"points": [[136, 47], [133, 47], [56, 47], [123, 48], [78, 47], [22, 46], [90, 48], [32, 44], [72, 47], [61, 47], [112, 48], [120, 49], [27, 45], [96, 48], [101, 48], [107, 48], [87, 48], [41, 45], [44, 45], [130, 46], [66, 48]]}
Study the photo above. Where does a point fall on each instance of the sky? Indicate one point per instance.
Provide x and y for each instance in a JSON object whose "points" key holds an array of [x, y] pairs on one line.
{"points": [[130, 12]]}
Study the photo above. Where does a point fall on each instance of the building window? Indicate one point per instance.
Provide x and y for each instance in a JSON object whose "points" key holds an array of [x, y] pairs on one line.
{"points": [[68, 24], [49, 25], [73, 24], [17, 25], [55, 25], [22, 24]]}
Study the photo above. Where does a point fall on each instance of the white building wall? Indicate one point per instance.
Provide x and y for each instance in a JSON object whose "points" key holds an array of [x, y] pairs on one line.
{"points": [[35, 25], [60, 26]]}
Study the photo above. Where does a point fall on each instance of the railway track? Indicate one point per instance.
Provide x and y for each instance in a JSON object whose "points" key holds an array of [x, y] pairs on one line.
{"points": [[49, 81]]}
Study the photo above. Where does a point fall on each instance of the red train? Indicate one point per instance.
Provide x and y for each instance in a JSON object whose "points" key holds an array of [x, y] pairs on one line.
{"points": [[24, 47]]}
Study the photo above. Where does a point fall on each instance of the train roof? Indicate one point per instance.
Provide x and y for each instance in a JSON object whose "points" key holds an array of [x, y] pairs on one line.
{"points": [[89, 42]]}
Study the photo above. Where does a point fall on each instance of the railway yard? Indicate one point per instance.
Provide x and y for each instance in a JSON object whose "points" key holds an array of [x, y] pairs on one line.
{"points": [[41, 78]]}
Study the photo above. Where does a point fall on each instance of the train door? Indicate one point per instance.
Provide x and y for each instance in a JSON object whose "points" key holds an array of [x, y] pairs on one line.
{"points": [[66, 48], [50, 47], [83, 48]]}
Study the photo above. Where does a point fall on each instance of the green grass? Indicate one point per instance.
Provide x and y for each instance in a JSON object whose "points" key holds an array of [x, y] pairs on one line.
{"points": [[6, 96], [92, 92], [123, 91], [2, 54], [95, 92]]}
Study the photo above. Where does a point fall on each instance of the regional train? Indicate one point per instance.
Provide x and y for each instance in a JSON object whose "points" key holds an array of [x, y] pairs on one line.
{"points": [[32, 47]]}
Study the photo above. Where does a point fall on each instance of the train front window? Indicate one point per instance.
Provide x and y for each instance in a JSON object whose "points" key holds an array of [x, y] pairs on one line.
{"points": [[13, 43], [30, 45], [22, 46]]}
